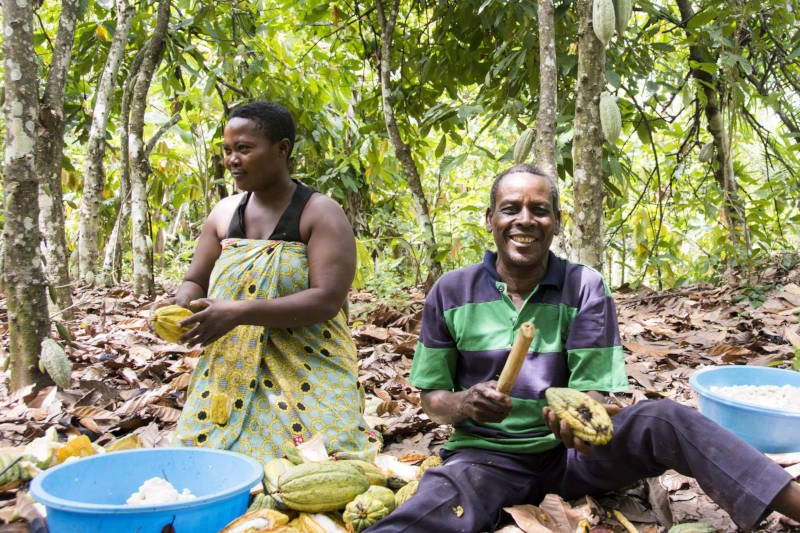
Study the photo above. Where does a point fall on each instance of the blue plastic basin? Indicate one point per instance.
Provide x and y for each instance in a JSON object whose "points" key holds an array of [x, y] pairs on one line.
{"points": [[766, 429], [88, 495]]}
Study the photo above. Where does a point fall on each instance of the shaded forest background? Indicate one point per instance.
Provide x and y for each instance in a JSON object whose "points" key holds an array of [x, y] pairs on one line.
{"points": [[405, 112]]}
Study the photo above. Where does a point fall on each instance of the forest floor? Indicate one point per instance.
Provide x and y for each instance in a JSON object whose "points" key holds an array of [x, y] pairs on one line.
{"points": [[126, 380]]}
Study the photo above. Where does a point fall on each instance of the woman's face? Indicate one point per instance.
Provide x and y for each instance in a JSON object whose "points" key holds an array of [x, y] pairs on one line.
{"points": [[253, 160]]}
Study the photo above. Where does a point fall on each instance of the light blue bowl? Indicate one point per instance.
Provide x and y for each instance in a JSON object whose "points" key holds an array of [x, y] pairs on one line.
{"points": [[766, 429], [88, 495]]}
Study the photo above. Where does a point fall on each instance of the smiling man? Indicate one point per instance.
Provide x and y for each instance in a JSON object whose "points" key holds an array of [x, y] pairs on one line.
{"points": [[511, 449]]}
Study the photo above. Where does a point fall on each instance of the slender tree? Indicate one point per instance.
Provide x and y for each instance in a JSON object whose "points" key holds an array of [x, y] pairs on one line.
{"points": [[587, 145], [140, 168], [23, 278], [714, 110], [49, 149], [94, 173], [113, 248], [401, 149], [548, 90]]}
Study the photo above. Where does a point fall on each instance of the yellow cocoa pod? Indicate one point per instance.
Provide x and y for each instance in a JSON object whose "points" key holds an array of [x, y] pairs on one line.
{"points": [[374, 474], [80, 446], [405, 492], [430, 462], [165, 322], [587, 419], [260, 520]]}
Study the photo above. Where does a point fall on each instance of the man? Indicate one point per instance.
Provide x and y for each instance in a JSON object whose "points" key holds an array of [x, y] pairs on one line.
{"points": [[511, 449]]}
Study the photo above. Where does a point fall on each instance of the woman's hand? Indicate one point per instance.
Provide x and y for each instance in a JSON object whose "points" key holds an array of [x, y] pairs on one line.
{"points": [[484, 403], [562, 431], [213, 319]]}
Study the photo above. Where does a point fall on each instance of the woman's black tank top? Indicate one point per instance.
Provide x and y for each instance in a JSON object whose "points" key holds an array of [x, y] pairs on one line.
{"points": [[288, 228]]}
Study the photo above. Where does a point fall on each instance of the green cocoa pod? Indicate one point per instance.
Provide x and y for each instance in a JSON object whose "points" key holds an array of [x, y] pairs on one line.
{"points": [[362, 512], [706, 153], [603, 20], [523, 146], [692, 527], [321, 486], [56, 363], [622, 14], [610, 117], [384, 494]]}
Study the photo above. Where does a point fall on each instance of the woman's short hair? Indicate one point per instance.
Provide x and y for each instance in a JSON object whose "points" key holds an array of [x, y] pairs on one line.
{"points": [[273, 119]]}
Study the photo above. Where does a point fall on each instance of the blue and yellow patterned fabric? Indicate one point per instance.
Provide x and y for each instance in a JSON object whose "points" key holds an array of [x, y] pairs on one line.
{"points": [[257, 388]]}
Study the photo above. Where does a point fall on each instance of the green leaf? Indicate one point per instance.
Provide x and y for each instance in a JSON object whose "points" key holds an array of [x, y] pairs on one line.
{"points": [[701, 19]]}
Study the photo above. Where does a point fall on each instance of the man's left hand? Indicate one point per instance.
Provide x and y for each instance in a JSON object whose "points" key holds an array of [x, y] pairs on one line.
{"points": [[562, 431]]}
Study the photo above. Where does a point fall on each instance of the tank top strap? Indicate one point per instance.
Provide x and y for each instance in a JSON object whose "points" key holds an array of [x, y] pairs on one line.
{"points": [[288, 227], [236, 227]]}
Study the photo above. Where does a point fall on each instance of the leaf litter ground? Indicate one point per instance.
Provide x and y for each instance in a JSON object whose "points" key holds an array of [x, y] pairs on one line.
{"points": [[126, 380]]}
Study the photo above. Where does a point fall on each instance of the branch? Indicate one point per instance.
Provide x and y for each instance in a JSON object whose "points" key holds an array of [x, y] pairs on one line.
{"points": [[161, 131]]}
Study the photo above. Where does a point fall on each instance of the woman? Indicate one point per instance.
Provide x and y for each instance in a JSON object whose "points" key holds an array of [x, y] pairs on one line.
{"points": [[267, 282]]}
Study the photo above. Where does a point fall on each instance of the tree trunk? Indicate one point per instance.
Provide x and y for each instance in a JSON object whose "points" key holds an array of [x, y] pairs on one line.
{"points": [[113, 250], [140, 168], [94, 174], [49, 150], [23, 278], [733, 208], [401, 149], [548, 91], [587, 147]]}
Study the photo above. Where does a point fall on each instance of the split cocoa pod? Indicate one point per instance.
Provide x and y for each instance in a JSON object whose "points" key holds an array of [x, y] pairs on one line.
{"points": [[165, 322], [587, 418]]}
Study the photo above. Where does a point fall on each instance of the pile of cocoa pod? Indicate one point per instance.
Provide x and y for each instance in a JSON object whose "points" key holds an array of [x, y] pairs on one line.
{"points": [[325, 496]]}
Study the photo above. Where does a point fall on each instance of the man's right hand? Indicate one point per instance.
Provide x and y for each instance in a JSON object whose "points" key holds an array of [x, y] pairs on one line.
{"points": [[484, 403]]}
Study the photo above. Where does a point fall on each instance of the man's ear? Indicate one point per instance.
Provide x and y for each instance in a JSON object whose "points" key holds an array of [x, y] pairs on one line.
{"points": [[488, 221], [558, 224]]}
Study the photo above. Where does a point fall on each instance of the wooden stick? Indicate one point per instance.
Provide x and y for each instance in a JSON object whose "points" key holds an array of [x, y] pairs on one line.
{"points": [[516, 357]]}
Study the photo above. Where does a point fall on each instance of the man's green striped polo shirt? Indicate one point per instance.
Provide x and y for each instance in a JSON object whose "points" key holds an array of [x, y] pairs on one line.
{"points": [[469, 324]]}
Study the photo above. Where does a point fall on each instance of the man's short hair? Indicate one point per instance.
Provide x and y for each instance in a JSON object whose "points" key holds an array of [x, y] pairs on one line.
{"points": [[526, 168], [273, 119]]}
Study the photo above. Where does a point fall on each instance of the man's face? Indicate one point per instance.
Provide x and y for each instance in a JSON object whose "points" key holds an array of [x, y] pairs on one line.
{"points": [[523, 222]]}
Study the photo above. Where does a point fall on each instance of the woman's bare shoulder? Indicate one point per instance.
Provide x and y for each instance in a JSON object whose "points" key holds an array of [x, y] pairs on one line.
{"points": [[221, 214]]}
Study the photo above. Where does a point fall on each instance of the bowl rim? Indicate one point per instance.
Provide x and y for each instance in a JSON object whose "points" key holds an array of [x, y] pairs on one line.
{"points": [[703, 390], [48, 500]]}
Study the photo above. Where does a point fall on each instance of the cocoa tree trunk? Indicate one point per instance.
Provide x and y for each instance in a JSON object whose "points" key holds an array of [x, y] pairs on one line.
{"points": [[545, 146], [49, 150], [140, 167], [587, 147], [733, 208], [94, 173], [113, 249], [401, 149], [23, 278]]}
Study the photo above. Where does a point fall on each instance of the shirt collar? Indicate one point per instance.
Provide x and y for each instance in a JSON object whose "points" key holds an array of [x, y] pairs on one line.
{"points": [[554, 276]]}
